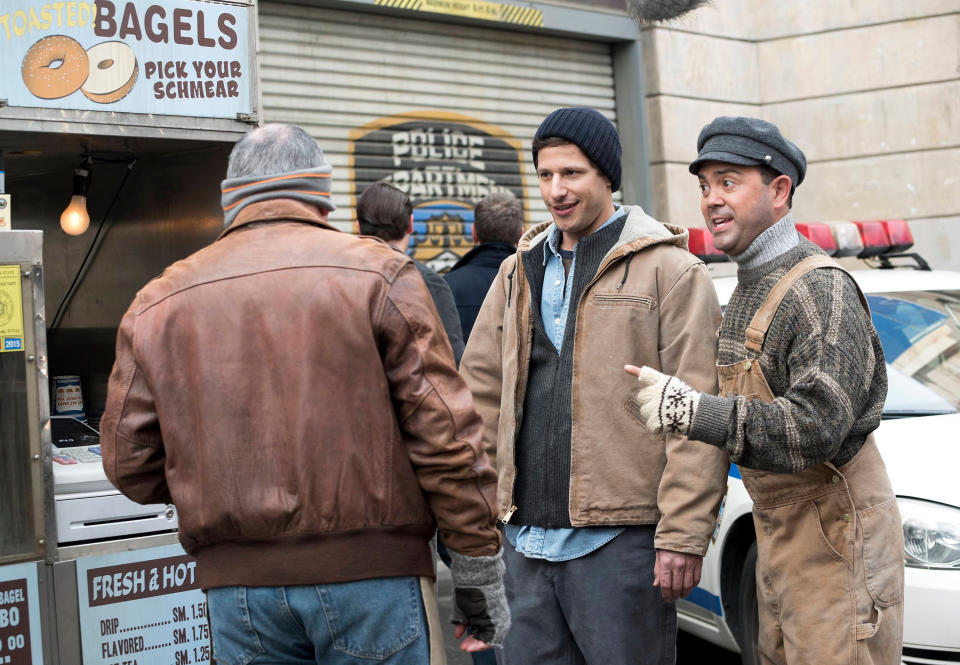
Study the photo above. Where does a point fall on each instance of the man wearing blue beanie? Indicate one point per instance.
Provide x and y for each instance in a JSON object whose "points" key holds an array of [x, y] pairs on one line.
{"points": [[606, 523]]}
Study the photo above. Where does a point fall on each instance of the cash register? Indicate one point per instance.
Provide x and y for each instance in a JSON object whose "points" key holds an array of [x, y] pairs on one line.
{"points": [[88, 507]]}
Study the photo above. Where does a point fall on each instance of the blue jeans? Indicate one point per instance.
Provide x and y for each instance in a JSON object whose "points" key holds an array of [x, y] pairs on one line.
{"points": [[369, 621]]}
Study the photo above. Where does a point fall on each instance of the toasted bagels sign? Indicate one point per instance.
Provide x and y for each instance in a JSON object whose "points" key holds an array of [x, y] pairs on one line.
{"points": [[169, 57]]}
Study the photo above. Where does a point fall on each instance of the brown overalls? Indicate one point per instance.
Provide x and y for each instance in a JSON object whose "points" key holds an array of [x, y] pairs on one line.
{"points": [[829, 540]]}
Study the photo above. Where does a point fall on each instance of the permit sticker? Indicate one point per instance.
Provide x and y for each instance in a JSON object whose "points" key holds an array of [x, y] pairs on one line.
{"points": [[11, 310]]}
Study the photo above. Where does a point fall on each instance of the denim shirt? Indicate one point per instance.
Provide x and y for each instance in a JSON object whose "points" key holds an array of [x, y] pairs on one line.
{"points": [[559, 544]]}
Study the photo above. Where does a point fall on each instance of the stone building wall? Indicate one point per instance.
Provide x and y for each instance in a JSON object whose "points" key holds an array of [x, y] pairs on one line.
{"points": [[869, 90]]}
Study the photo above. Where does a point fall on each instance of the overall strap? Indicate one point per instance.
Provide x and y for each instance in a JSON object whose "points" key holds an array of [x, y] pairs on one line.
{"points": [[757, 330]]}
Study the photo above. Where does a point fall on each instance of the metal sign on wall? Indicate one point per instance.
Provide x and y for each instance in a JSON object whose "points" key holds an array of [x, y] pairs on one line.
{"points": [[446, 163], [168, 57]]}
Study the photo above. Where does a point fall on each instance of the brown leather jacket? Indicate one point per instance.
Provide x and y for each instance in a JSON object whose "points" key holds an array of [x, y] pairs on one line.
{"points": [[291, 390]]}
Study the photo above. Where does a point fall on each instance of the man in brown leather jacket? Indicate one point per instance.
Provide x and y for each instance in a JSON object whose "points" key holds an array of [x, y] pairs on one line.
{"points": [[290, 389]]}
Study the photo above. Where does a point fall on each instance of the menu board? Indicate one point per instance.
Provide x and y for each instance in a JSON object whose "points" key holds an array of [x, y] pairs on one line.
{"points": [[20, 615], [142, 608]]}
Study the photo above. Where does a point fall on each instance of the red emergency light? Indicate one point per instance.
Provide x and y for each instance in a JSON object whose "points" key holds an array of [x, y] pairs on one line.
{"points": [[898, 232], [820, 235], [701, 245], [875, 239]]}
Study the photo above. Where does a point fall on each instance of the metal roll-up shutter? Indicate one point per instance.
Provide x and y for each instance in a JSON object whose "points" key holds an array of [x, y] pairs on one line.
{"points": [[444, 111]]}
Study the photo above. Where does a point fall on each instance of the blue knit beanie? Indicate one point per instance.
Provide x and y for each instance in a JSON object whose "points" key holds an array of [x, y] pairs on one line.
{"points": [[590, 131]]}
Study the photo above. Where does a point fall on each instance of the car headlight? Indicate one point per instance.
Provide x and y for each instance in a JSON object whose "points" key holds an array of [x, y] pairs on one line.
{"points": [[931, 534]]}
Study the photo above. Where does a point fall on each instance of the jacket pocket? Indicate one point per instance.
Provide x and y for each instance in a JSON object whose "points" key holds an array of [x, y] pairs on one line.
{"points": [[833, 531], [883, 552], [615, 299]]}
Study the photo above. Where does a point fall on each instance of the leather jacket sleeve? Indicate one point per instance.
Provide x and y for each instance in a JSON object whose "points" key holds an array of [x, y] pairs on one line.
{"points": [[441, 430], [130, 439]]}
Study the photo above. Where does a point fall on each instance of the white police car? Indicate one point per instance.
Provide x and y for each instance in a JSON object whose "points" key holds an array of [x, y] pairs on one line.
{"points": [[917, 315]]}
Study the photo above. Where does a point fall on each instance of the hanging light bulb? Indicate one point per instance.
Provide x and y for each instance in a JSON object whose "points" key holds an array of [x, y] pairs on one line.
{"points": [[75, 220]]}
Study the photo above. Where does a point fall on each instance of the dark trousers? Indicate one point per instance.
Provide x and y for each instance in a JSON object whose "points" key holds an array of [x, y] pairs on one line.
{"points": [[599, 609]]}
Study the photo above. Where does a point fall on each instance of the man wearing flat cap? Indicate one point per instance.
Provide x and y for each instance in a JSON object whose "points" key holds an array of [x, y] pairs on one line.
{"points": [[606, 524], [802, 384]]}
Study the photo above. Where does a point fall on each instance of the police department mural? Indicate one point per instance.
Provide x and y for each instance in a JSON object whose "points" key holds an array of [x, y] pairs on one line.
{"points": [[170, 57], [446, 163]]}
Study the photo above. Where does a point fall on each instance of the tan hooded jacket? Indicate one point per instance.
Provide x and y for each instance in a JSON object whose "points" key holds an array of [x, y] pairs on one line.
{"points": [[651, 303]]}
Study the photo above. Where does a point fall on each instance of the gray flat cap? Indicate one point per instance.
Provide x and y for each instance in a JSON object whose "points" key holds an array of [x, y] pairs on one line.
{"points": [[750, 142]]}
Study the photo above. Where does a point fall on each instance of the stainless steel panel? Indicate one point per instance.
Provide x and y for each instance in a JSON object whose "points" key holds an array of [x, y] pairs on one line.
{"points": [[66, 613], [121, 545], [22, 389], [21, 247]]}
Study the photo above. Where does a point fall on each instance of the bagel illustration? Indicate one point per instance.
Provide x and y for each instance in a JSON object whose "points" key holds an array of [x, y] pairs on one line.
{"points": [[55, 67], [113, 71]]}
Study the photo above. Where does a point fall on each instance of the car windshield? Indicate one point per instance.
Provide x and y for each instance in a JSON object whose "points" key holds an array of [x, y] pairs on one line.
{"points": [[920, 334]]}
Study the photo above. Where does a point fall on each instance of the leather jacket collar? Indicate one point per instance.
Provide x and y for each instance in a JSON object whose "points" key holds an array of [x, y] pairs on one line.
{"points": [[278, 210]]}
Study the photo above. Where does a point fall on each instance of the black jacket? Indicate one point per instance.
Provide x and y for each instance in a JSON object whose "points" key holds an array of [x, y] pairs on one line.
{"points": [[471, 277], [444, 302]]}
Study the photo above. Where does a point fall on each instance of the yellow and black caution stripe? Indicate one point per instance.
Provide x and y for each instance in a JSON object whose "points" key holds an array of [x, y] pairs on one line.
{"points": [[521, 15], [402, 4], [482, 9]]}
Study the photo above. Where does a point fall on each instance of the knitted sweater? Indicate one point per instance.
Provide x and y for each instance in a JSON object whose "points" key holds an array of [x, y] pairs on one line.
{"points": [[822, 359]]}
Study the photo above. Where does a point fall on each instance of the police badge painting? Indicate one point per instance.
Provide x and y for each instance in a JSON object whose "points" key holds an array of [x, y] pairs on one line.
{"points": [[446, 163]]}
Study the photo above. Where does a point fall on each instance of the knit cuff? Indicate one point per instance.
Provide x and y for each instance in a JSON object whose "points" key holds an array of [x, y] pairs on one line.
{"points": [[475, 570], [712, 419]]}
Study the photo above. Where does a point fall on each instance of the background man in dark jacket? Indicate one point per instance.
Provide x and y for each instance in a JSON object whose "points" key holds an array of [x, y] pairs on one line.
{"points": [[497, 226], [289, 388], [384, 212]]}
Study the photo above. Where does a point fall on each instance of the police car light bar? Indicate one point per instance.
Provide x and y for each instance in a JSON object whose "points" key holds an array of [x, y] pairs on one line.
{"points": [[701, 245], [901, 239], [847, 236], [820, 235], [875, 239]]}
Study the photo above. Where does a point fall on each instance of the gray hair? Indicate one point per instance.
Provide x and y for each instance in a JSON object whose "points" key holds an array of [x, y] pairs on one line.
{"points": [[273, 148], [499, 218]]}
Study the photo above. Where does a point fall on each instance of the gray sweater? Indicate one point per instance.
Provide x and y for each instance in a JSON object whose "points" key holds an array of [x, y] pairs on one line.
{"points": [[822, 359]]}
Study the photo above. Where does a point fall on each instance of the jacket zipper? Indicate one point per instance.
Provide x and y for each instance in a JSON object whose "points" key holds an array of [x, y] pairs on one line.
{"points": [[522, 334]]}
